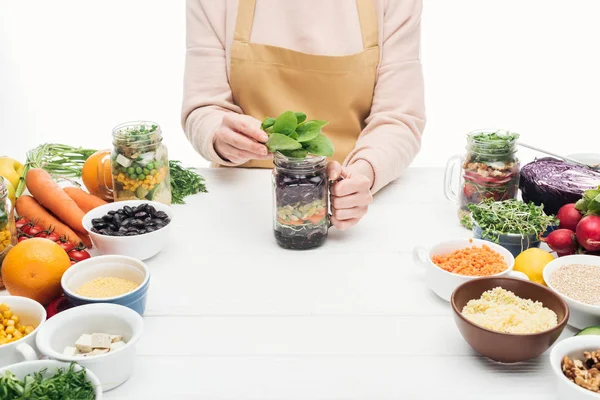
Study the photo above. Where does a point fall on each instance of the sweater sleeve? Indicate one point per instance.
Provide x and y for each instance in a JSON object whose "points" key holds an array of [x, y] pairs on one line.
{"points": [[207, 95], [392, 136]]}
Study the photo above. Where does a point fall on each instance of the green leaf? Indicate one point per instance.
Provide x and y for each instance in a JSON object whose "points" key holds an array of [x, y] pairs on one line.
{"points": [[320, 146], [594, 205], [300, 153], [278, 141], [294, 136], [286, 123], [309, 130], [582, 204], [267, 123], [301, 117], [591, 194]]}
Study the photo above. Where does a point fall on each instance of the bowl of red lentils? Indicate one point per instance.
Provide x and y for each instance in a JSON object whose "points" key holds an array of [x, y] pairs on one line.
{"points": [[108, 279], [576, 279]]}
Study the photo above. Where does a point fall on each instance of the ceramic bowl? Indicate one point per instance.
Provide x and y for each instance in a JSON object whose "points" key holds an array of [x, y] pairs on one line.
{"points": [[108, 266], [582, 315], [31, 313], [505, 347], [514, 243], [62, 330], [141, 246], [572, 347], [26, 368], [443, 282]]}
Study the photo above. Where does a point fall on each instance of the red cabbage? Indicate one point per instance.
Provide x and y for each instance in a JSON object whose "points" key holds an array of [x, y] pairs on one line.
{"points": [[555, 183]]}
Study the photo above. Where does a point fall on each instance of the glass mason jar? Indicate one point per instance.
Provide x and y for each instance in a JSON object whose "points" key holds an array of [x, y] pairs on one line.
{"points": [[301, 201], [8, 231], [490, 169], [140, 163]]}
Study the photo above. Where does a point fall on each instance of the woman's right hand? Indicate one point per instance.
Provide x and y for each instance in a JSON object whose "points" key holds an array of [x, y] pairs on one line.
{"points": [[239, 139]]}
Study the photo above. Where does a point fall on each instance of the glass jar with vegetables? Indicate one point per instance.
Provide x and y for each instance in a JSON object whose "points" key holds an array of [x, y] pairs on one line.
{"points": [[489, 170], [300, 184], [8, 231], [140, 164]]}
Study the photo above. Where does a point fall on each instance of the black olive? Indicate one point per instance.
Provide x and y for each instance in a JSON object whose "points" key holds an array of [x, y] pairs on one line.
{"points": [[151, 210], [128, 211], [97, 221], [161, 215], [141, 214], [131, 234], [100, 225]]}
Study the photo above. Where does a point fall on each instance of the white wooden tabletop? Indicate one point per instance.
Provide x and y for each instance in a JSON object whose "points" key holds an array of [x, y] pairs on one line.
{"points": [[232, 316]]}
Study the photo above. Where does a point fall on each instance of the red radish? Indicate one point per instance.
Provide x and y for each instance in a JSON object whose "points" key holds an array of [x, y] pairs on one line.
{"points": [[588, 233], [562, 241], [569, 217]]}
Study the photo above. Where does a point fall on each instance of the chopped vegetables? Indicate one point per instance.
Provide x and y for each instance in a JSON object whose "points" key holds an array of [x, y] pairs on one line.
{"points": [[11, 328], [89, 345], [69, 384], [184, 182], [105, 287], [510, 217], [472, 261]]}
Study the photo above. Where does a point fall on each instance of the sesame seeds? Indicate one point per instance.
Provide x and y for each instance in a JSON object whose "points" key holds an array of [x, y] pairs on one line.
{"points": [[579, 282]]}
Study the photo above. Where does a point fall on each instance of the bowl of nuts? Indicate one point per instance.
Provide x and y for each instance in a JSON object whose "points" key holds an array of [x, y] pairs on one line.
{"points": [[133, 228], [575, 362]]}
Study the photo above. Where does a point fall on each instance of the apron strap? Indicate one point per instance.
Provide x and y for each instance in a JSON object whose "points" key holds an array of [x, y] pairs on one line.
{"points": [[245, 19], [367, 15]]}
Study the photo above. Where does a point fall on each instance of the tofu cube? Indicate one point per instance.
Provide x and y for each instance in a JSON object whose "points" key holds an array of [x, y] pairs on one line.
{"points": [[84, 343], [97, 352], [70, 351], [100, 341], [124, 161], [116, 345], [116, 338]]}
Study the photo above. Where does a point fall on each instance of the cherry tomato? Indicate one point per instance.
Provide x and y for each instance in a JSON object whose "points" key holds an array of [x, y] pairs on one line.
{"points": [[55, 237], [22, 238], [35, 230], [73, 262], [21, 222], [26, 228], [79, 255], [43, 235], [67, 246]]}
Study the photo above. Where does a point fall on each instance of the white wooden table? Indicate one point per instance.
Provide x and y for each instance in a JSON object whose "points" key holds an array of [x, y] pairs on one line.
{"points": [[232, 316]]}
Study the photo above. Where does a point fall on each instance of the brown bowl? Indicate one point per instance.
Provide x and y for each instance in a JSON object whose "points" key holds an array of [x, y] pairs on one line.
{"points": [[507, 347]]}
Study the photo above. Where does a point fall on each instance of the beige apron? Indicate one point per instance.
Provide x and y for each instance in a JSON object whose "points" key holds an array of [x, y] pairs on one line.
{"points": [[267, 80]]}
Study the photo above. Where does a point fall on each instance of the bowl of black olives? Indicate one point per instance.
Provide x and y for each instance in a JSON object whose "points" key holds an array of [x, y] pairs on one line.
{"points": [[134, 228]]}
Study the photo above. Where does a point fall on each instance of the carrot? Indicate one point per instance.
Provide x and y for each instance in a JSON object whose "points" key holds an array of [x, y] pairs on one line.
{"points": [[85, 239], [29, 208], [84, 200], [53, 197]]}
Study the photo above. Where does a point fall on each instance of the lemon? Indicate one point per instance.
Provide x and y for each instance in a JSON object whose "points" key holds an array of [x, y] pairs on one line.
{"points": [[532, 262]]}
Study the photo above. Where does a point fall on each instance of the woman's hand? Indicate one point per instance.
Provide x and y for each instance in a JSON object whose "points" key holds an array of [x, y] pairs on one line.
{"points": [[350, 197], [239, 139]]}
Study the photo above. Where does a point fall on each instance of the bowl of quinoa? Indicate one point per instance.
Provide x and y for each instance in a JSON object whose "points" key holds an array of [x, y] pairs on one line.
{"points": [[108, 279], [576, 279], [508, 320]]}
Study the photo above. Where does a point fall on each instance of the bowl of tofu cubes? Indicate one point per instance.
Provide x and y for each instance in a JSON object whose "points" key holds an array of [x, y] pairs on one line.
{"points": [[100, 337]]}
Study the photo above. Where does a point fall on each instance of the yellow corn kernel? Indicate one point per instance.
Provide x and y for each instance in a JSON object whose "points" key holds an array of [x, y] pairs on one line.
{"points": [[5, 322], [29, 329], [1, 328], [10, 330], [3, 340], [10, 322], [17, 335], [3, 307], [15, 318], [7, 314], [9, 338], [21, 329]]}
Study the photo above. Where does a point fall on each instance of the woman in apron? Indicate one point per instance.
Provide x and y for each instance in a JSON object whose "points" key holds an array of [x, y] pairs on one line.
{"points": [[353, 63]]}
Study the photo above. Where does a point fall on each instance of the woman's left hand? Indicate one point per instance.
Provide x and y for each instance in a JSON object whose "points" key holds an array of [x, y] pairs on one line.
{"points": [[350, 197]]}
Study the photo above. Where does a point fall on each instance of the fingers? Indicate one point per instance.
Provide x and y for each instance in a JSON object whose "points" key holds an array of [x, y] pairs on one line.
{"points": [[242, 142], [235, 155], [353, 200], [245, 125], [349, 213], [352, 184], [343, 225], [334, 170]]}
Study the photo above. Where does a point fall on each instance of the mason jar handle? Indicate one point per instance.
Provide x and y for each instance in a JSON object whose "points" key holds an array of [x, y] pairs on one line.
{"points": [[331, 183], [106, 186], [449, 187]]}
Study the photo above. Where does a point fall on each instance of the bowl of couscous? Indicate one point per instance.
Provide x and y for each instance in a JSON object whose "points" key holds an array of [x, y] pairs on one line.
{"points": [[508, 320], [108, 279]]}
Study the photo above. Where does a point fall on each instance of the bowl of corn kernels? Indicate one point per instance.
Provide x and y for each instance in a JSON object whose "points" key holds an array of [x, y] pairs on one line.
{"points": [[20, 319]]}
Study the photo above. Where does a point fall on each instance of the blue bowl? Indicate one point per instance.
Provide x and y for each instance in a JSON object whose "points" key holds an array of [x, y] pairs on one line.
{"points": [[108, 266], [514, 243]]}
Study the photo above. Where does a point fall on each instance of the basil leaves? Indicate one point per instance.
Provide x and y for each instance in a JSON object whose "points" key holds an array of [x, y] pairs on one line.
{"points": [[293, 136]]}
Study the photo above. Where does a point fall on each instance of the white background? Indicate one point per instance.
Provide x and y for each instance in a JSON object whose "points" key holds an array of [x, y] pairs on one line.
{"points": [[70, 70]]}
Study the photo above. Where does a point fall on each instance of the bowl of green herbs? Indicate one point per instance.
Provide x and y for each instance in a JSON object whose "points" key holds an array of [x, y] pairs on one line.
{"points": [[48, 380], [513, 224]]}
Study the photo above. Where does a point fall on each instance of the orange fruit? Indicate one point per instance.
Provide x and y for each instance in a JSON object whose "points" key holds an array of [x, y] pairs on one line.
{"points": [[97, 175], [33, 268]]}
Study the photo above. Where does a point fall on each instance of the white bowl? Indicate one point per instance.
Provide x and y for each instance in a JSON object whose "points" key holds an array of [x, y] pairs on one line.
{"points": [[31, 313], [582, 315], [62, 330], [443, 282], [141, 246], [574, 348], [23, 369]]}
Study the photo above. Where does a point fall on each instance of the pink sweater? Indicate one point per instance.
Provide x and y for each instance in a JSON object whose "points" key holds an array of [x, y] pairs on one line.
{"points": [[392, 135]]}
